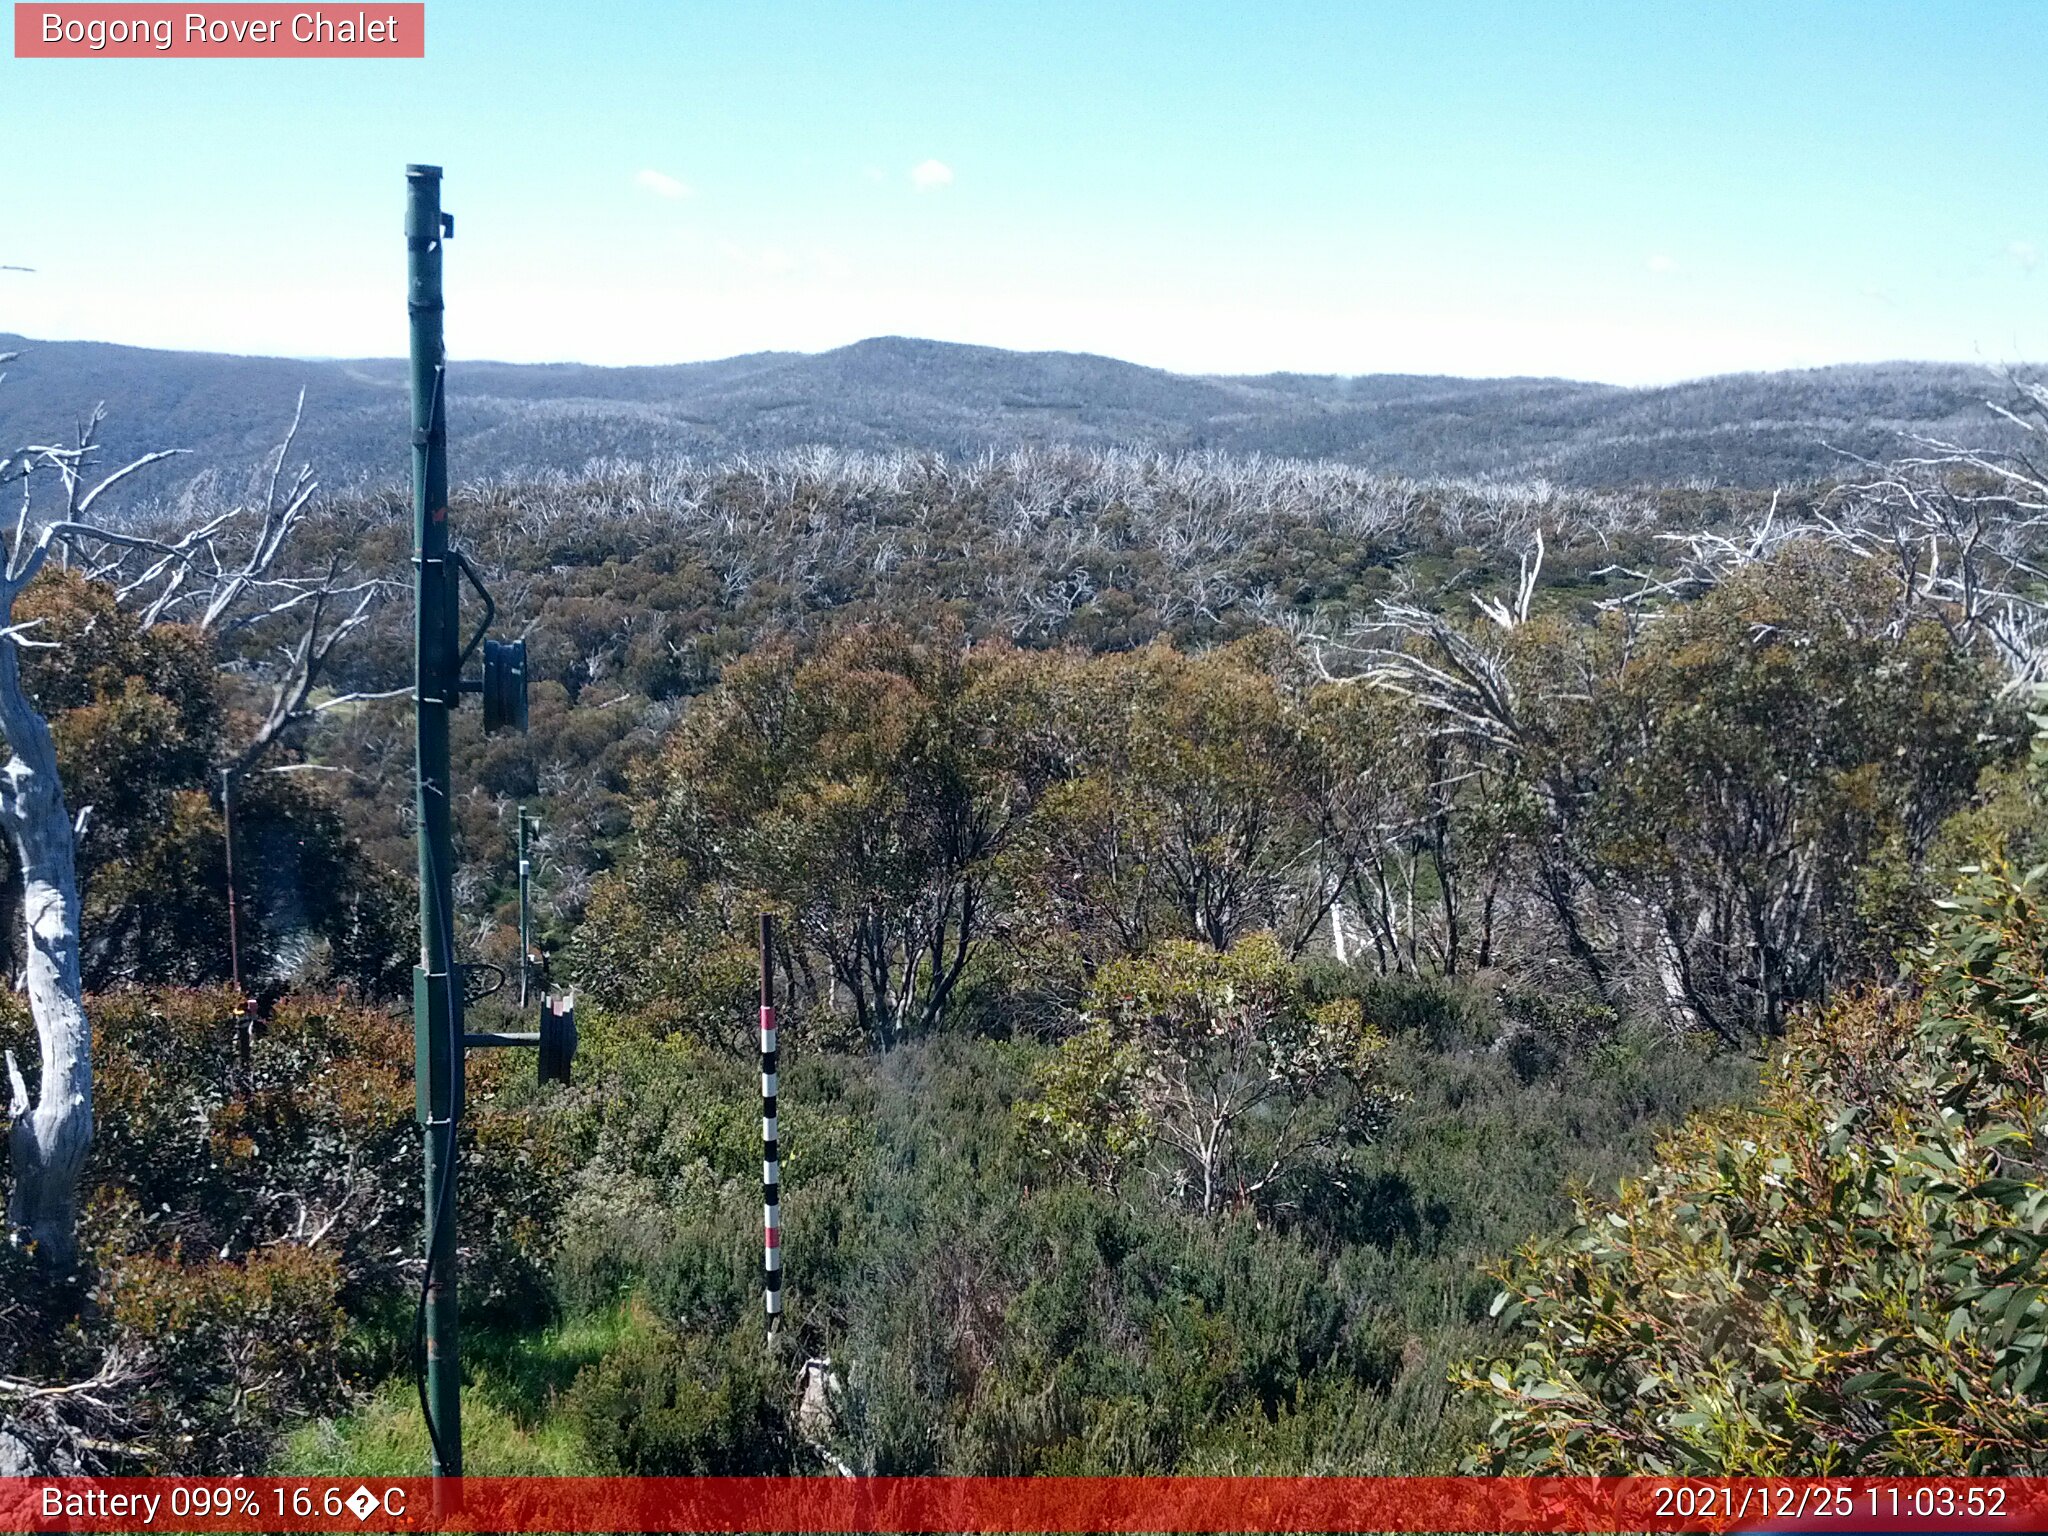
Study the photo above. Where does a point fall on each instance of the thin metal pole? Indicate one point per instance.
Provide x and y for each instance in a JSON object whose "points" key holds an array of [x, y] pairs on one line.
{"points": [[525, 925], [771, 1155], [227, 827], [437, 996]]}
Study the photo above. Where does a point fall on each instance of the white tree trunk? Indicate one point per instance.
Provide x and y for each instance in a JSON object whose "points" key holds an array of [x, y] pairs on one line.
{"points": [[47, 1144], [1678, 1001]]}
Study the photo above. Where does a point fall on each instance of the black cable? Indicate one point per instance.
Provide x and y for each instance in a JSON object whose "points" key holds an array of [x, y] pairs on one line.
{"points": [[441, 1208], [419, 1316]]}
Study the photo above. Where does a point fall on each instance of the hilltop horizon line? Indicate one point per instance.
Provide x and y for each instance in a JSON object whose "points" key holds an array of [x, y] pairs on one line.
{"points": [[893, 340], [890, 393]]}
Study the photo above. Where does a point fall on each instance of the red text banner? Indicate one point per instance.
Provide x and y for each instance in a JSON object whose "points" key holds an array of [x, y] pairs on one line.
{"points": [[1026, 1504], [231, 31]]}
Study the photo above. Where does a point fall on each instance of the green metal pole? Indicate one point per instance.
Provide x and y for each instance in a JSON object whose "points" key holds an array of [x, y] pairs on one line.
{"points": [[437, 992]]}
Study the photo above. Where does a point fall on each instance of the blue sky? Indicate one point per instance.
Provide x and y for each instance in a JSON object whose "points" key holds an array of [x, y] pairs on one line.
{"points": [[1630, 192]]}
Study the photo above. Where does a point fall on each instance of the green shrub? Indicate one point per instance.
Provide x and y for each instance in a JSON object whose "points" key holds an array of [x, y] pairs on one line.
{"points": [[993, 1313], [669, 1405], [1222, 1064], [249, 1203], [1847, 1279], [234, 1349]]}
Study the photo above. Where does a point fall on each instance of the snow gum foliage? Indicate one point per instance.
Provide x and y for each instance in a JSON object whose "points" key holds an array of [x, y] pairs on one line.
{"points": [[249, 1204], [1208, 938], [1242, 1005], [1221, 1061], [1847, 1277], [142, 719]]}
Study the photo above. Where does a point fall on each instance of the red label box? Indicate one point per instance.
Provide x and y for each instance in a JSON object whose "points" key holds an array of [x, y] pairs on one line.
{"points": [[1048, 1506], [373, 30]]}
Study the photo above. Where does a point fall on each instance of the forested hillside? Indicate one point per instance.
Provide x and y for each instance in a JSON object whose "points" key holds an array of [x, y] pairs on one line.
{"points": [[891, 394], [1227, 908]]}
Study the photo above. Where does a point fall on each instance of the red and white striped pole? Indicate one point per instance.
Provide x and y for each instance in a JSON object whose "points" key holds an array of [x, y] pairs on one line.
{"points": [[771, 1154]]}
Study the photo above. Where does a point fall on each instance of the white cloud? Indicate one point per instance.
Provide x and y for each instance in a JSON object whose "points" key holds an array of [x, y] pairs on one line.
{"points": [[929, 174], [2025, 253], [660, 184], [1661, 263]]}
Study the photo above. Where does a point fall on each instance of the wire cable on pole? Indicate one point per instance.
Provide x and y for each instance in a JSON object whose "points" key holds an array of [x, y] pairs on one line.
{"points": [[441, 1204]]}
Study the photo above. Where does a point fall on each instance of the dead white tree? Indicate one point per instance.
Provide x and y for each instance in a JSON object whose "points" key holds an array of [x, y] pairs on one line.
{"points": [[1497, 609], [1962, 530], [225, 573], [48, 1134], [1460, 678]]}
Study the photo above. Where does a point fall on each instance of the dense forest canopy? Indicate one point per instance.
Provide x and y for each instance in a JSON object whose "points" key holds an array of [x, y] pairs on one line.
{"points": [[1225, 902]]}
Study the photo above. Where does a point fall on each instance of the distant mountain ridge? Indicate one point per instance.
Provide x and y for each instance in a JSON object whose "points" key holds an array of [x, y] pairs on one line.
{"points": [[896, 393]]}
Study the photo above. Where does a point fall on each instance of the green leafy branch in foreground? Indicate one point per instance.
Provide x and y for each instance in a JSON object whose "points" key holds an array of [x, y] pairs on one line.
{"points": [[1847, 1278]]}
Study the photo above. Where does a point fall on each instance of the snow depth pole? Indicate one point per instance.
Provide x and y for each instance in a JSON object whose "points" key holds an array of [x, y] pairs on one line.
{"points": [[437, 664], [771, 1154]]}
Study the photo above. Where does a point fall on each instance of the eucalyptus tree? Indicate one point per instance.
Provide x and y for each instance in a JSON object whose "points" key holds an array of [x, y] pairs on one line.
{"points": [[1220, 1064], [1707, 779], [865, 791], [224, 576], [48, 1135]]}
